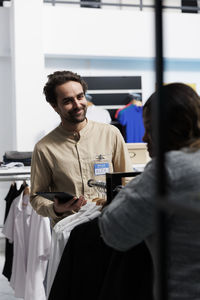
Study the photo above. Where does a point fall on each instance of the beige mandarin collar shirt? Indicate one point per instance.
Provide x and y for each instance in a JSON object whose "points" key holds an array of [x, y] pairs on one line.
{"points": [[65, 161]]}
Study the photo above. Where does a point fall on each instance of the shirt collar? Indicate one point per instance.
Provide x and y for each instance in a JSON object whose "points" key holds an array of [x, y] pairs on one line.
{"points": [[71, 134]]}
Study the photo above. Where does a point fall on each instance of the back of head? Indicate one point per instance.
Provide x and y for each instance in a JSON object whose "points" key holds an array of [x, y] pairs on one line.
{"points": [[59, 78], [182, 114]]}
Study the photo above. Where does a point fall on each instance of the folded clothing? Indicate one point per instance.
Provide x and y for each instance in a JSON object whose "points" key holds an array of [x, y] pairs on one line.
{"points": [[11, 165], [18, 156]]}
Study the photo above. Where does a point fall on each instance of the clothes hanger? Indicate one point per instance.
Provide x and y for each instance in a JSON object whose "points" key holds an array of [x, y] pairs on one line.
{"points": [[89, 103], [26, 191], [26, 188], [137, 102]]}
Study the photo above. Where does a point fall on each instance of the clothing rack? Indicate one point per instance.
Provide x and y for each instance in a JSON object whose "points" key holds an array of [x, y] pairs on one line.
{"points": [[15, 174], [14, 178], [113, 183], [99, 184]]}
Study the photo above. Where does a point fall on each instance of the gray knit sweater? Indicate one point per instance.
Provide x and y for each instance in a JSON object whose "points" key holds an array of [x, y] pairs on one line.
{"points": [[130, 219]]}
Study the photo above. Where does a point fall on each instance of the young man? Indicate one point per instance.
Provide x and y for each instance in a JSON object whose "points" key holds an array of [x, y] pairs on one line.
{"points": [[74, 152]]}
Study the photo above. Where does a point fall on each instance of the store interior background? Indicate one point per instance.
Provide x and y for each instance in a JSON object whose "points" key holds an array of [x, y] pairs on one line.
{"points": [[38, 39]]}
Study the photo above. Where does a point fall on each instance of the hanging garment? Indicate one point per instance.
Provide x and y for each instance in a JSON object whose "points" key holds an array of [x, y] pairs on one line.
{"points": [[92, 270], [12, 194], [117, 111], [132, 118], [190, 4], [38, 256], [98, 114], [16, 229], [129, 99], [83, 264], [60, 235], [23, 228]]}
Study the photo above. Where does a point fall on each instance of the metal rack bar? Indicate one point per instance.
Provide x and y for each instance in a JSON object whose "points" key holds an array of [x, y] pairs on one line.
{"points": [[14, 178], [14, 173], [100, 184], [113, 183], [141, 6], [10, 175]]}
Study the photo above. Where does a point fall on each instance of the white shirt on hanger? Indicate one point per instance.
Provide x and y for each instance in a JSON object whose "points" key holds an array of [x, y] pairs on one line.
{"points": [[38, 256], [60, 235], [31, 236], [98, 114], [16, 230]]}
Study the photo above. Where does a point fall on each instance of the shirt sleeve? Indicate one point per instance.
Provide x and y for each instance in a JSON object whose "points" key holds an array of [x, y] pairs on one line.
{"points": [[130, 217], [41, 178], [8, 228], [121, 157]]}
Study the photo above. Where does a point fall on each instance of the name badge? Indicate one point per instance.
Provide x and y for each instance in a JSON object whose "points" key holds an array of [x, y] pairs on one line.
{"points": [[101, 168]]}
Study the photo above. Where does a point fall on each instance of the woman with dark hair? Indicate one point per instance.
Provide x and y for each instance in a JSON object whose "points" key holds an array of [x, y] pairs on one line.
{"points": [[182, 109], [130, 218]]}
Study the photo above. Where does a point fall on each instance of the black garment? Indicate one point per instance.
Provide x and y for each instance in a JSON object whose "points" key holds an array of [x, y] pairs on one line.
{"points": [[190, 3], [25, 161], [12, 194], [91, 270], [92, 4], [129, 275], [18, 156]]}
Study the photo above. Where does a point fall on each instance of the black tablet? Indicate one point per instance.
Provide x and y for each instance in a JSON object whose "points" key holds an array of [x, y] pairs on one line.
{"points": [[62, 197]]}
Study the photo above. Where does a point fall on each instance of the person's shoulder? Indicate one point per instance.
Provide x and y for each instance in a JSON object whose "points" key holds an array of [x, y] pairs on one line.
{"points": [[180, 163], [181, 155], [101, 125], [47, 139], [177, 163], [104, 126]]}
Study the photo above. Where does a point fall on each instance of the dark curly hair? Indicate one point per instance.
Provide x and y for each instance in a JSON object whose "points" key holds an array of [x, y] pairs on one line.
{"points": [[58, 78], [182, 110]]}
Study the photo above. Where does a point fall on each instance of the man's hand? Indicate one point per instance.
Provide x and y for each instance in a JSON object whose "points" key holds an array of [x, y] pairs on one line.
{"points": [[73, 204], [99, 201]]}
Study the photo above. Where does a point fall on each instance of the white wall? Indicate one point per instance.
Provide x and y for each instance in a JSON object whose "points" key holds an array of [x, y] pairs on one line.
{"points": [[94, 43], [100, 33], [6, 112], [27, 72]]}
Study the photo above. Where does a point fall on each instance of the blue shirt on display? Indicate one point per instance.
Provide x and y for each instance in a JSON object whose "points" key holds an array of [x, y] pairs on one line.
{"points": [[131, 117]]}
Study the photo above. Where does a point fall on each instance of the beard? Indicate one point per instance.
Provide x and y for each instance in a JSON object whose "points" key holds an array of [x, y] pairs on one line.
{"points": [[77, 115]]}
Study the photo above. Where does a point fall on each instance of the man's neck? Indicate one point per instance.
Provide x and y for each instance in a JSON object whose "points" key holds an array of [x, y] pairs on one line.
{"points": [[74, 127]]}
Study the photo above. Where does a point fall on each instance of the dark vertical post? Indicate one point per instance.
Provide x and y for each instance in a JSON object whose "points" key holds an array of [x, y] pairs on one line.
{"points": [[141, 4], [160, 131]]}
